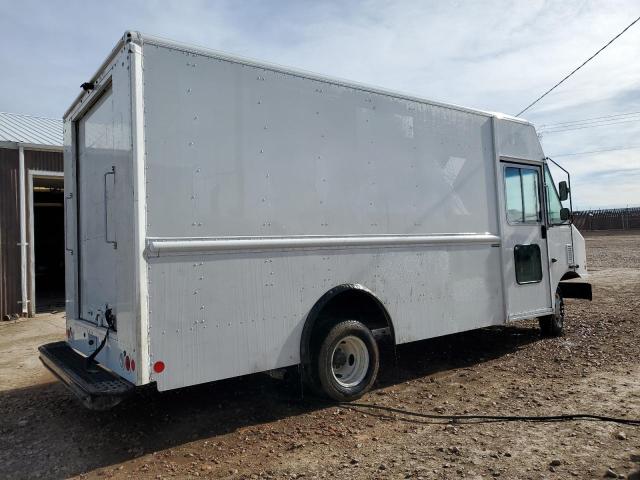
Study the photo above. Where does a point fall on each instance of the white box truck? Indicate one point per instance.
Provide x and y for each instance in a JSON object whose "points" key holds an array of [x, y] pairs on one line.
{"points": [[226, 216]]}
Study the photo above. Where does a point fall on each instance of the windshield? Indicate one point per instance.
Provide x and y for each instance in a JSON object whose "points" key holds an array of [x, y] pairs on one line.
{"points": [[554, 205]]}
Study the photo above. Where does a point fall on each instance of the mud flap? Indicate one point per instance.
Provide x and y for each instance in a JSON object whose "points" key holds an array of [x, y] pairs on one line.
{"points": [[573, 289]]}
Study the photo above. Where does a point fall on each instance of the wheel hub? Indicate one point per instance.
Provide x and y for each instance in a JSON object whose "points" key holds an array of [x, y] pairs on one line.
{"points": [[350, 361]]}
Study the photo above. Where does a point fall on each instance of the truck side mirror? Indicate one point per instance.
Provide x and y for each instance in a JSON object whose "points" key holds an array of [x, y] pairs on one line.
{"points": [[563, 190], [565, 213]]}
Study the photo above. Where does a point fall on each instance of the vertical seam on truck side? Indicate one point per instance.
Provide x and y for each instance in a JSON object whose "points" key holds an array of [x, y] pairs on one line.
{"points": [[137, 113], [497, 177]]}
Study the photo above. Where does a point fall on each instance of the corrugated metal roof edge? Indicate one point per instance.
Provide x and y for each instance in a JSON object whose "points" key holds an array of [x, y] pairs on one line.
{"points": [[31, 146], [31, 131], [40, 117], [17, 128]]}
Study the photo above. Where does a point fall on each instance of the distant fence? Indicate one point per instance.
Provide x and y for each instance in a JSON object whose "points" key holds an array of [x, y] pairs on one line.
{"points": [[608, 219]]}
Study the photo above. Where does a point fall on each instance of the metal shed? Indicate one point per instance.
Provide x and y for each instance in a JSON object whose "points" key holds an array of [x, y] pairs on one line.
{"points": [[31, 215]]}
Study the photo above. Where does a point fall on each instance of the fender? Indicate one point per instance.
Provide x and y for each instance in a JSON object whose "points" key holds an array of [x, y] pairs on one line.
{"points": [[312, 317]]}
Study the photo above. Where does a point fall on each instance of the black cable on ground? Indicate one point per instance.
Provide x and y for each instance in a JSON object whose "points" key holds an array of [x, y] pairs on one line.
{"points": [[469, 419]]}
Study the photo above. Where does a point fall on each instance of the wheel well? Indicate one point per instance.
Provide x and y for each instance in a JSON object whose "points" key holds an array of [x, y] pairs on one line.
{"points": [[579, 289], [353, 302], [569, 275]]}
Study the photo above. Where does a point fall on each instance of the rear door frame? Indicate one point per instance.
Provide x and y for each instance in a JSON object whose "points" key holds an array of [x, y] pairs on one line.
{"points": [[128, 54]]}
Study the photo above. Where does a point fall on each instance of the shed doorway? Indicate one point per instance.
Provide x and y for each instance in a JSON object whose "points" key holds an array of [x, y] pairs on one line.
{"points": [[47, 241]]}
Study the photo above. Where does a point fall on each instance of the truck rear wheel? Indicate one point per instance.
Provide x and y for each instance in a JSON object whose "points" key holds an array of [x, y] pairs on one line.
{"points": [[347, 361], [553, 325]]}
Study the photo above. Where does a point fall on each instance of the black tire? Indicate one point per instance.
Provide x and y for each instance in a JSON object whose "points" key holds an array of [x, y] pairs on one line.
{"points": [[553, 325], [333, 356]]}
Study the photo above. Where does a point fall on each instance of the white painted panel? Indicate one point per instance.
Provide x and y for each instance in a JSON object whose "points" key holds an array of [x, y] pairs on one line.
{"points": [[97, 153], [579, 252], [559, 236], [105, 275], [70, 222], [240, 153], [240, 150], [222, 315], [518, 140]]}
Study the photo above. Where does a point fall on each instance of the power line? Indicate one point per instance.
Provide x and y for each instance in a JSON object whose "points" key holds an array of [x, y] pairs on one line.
{"points": [[588, 124], [632, 147], [578, 68], [588, 120], [581, 127]]}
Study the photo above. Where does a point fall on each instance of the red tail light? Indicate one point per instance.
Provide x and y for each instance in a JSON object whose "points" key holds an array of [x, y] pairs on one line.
{"points": [[158, 367]]}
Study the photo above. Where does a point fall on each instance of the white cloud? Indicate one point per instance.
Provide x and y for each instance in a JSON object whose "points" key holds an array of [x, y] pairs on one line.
{"points": [[494, 55]]}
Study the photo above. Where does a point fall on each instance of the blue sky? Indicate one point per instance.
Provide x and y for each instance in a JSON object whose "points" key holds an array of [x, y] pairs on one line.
{"points": [[492, 55]]}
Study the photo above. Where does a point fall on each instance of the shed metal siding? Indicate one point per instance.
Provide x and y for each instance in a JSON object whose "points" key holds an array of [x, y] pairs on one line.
{"points": [[10, 282], [9, 234], [43, 160]]}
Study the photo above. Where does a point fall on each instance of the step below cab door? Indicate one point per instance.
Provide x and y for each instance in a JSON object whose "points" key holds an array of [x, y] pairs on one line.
{"points": [[524, 243]]}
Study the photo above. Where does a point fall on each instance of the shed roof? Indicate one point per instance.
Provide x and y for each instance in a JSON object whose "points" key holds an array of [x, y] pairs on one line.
{"points": [[30, 130]]}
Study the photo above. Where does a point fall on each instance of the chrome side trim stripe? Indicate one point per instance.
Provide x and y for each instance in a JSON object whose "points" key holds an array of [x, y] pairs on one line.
{"points": [[177, 246]]}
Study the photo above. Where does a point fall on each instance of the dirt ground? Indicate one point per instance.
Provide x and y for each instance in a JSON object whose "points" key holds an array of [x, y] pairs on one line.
{"points": [[259, 427]]}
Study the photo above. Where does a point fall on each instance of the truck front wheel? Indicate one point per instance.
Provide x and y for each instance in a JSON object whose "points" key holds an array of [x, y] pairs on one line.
{"points": [[553, 325], [347, 361]]}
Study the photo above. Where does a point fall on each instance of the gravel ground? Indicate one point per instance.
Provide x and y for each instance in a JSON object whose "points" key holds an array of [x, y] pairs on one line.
{"points": [[258, 427]]}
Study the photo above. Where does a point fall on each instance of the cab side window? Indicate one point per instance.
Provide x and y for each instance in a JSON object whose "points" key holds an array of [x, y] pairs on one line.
{"points": [[522, 187]]}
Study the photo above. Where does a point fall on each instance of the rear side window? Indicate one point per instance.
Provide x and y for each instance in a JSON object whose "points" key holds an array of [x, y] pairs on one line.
{"points": [[522, 192], [528, 263]]}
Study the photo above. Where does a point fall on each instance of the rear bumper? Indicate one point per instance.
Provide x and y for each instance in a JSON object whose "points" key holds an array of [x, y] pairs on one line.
{"points": [[97, 387]]}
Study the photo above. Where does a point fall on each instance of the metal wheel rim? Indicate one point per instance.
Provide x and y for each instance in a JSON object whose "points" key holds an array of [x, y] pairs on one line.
{"points": [[350, 361]]}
